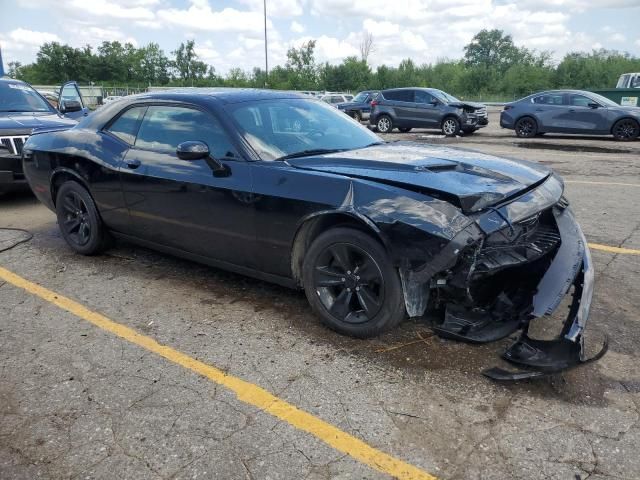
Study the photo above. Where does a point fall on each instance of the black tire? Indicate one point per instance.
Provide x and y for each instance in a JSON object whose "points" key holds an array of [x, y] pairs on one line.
{"points": [[450, 126], [526, 127], [468, 131], [405, 129], [362, 305], [626, 130], [79, 221], [384, 124], [357, 116]]}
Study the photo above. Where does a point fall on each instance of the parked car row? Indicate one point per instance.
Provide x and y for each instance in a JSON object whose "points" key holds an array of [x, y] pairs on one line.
{"points": [[555, 111]]}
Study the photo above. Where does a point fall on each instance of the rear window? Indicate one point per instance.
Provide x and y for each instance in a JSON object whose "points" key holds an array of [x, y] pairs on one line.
{"points": [[399, 95]]}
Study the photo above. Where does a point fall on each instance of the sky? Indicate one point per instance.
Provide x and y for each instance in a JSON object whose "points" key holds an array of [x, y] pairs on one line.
{"points": [[230, 33]]}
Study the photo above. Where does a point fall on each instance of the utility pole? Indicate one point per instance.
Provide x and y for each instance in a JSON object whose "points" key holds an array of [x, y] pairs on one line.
{"points": [[266, 57]]}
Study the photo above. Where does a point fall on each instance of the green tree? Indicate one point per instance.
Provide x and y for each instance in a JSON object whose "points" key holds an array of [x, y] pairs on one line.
{"points": [[492, 49], [301, 67], [186, 63]]}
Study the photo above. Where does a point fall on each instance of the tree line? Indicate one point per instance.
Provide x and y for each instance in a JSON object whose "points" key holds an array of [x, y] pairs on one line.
{"points": [[492, 66]]}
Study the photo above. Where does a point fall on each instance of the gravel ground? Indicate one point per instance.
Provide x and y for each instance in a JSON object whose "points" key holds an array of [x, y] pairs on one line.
{"points": [[77, 402]]}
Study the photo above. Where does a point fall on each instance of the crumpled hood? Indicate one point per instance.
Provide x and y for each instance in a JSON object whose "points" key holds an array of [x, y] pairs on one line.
{"points": [[470, 180], [25, 121], [467, 104]]}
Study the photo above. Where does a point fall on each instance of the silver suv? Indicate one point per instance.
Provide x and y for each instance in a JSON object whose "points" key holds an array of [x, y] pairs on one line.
{"points": [[407, 108]]}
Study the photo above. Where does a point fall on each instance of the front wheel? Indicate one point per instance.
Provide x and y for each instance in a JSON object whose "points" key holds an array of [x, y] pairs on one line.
{"points": [[351, 283], [384, 124], [79, 221], [357, 116], [450, 127], [626, 130]]}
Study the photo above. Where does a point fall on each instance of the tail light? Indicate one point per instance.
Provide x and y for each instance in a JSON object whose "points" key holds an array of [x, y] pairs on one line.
{"points": [[374, 103]]}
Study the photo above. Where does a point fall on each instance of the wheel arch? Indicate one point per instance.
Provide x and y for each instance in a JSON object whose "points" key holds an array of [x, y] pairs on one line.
{"points": [[312, 225], [62, 174]]}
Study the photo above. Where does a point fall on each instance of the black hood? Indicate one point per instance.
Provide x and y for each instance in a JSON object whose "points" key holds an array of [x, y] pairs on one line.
{"points": [[471, 180], [25, 122]]}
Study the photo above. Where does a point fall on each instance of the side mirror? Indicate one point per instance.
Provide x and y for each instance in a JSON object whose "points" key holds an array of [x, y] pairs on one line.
{"points": [[68, 106], [594, 105], [192, 150]]}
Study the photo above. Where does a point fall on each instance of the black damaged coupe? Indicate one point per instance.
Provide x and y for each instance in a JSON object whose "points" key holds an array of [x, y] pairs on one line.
{"points": [[288, 189]]}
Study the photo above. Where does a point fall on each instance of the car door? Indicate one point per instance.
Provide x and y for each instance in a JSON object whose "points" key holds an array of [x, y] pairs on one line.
{"points": [[550, 111], [187, 204], [403, 107], [428, 110], [70, 92], [583, 116]]}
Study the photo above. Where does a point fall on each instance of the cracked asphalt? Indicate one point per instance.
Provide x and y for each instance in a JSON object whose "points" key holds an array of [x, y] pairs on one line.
{"points": [[78, 402]]}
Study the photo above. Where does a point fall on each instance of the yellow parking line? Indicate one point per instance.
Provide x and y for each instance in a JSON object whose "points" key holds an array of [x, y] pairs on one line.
{"points": [[607, 248], [245, 391], [618, 184]]}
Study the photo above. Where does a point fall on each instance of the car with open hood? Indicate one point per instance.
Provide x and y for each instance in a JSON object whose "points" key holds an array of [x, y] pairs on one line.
{"points": [[408, 108], [288, 189], [22, 110]]}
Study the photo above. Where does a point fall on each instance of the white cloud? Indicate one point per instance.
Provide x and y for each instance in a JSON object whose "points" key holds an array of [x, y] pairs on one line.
{"points": [[296, 27], [200, 16], [381, 29], [618, 37], [276, 8]]}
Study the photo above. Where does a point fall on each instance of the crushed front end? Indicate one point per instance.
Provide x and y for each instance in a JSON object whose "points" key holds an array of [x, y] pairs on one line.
{"points": [[516, 263]]}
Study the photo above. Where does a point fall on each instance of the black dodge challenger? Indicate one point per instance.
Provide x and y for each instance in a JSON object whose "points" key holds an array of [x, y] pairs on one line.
{"points": [[288, 189]]}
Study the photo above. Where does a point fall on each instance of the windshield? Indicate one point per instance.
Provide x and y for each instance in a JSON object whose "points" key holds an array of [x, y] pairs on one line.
{"points": [[603, 100], [279, 128], [361, 97], [443, 96], [18, 97]]}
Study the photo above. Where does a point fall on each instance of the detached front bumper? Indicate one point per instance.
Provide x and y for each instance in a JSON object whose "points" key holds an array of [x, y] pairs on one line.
{"points": [[571, 272]]}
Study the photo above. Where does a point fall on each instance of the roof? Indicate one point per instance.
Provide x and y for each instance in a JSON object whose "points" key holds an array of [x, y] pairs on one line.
{"points": [[224, 95]]}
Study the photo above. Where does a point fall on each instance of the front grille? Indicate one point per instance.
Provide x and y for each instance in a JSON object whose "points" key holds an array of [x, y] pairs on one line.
{"points": [[529, 240], [482, 112], [14, 144]]}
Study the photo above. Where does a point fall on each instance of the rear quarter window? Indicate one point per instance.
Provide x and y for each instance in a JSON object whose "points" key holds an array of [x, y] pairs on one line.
{"points": [[125, 127]]}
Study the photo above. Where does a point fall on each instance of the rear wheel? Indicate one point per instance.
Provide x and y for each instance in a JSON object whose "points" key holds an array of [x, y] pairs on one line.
{"points": [[79, 221], [526, 127], [405, 129], [450, 126], [384, 124], [626, 130], [351, 283]]}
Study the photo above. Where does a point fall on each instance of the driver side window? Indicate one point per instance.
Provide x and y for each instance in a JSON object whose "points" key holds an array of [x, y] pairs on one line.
{"points": [[165, 127]]}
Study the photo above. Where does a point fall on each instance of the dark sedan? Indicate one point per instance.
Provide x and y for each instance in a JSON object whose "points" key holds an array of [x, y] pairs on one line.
{"points": [[288, 189], [570, 111]]}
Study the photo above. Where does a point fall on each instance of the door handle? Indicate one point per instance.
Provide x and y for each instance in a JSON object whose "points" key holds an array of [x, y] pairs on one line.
{"points": [[539, 110], [132, 163], [572, 110]]}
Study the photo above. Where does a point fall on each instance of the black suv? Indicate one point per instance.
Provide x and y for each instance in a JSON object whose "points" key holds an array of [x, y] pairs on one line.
{"points": [[22, 110], [407, 108]]}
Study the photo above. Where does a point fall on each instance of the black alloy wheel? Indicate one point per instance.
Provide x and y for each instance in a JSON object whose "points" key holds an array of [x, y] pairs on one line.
{"points": [[526, 127], [626, 130], [79, 221], [351, 284], [76, 222]]}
